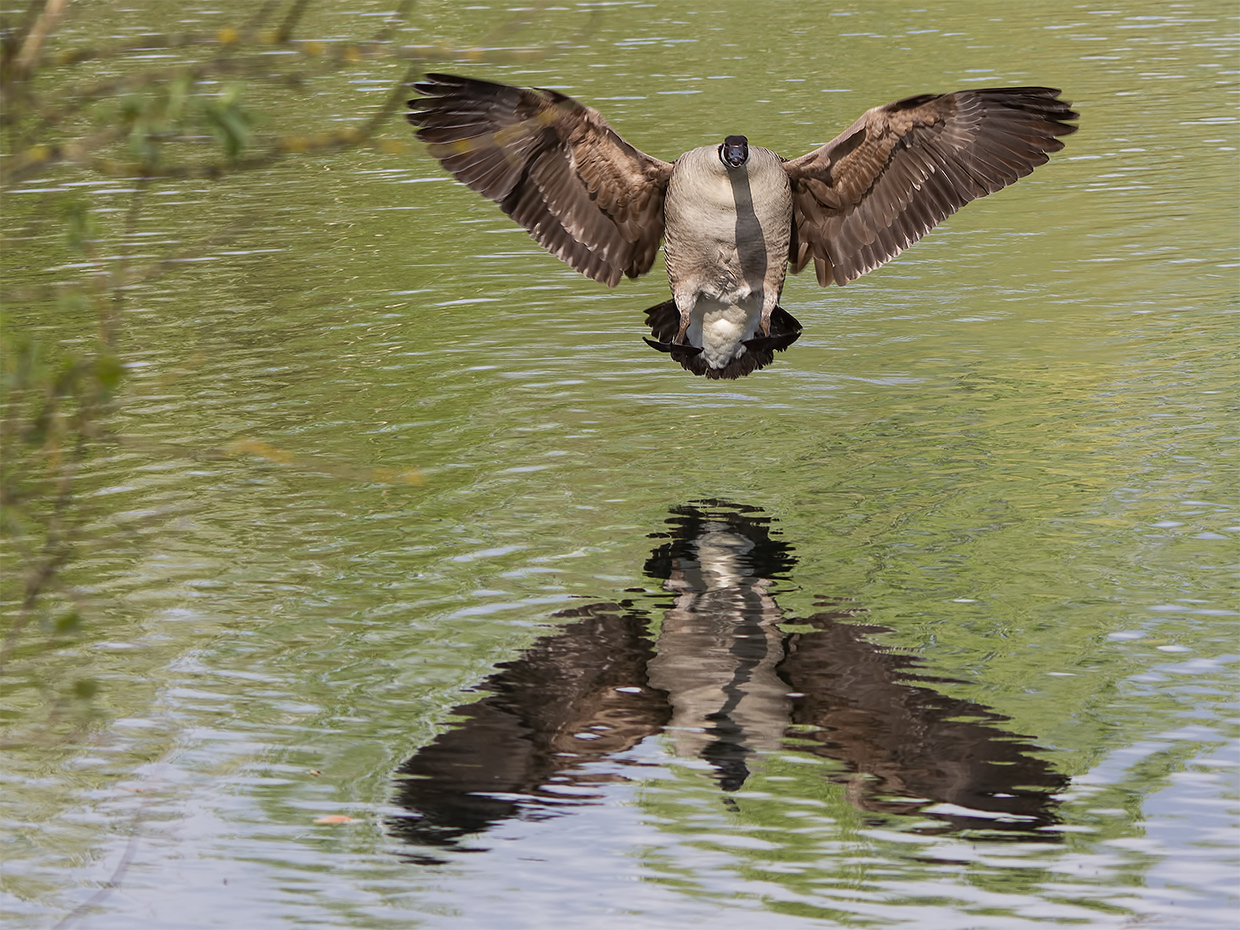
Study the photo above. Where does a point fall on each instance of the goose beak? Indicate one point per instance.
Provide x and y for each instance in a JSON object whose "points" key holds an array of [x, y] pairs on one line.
{"points": [[734, 152]]}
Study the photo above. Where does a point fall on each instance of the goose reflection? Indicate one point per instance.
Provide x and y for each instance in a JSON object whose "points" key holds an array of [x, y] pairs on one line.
{"points": [[723, 683]]}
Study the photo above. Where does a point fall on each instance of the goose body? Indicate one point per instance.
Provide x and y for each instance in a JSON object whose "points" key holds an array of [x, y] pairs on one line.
{"points": [[734, 216], [727, 230]]}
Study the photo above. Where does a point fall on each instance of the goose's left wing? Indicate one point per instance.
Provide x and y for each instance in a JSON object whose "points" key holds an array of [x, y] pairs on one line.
{"points": [[554, 165], [888, 179]]}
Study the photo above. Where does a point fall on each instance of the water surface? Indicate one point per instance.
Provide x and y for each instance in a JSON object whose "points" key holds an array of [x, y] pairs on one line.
{"points": [[385, 476]]}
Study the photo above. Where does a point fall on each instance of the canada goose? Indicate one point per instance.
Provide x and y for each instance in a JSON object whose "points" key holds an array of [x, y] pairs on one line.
{"points": [[732, 218]]}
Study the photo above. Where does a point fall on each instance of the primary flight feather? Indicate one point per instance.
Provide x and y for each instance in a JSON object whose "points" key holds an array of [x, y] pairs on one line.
{"points": [[732, 216]]}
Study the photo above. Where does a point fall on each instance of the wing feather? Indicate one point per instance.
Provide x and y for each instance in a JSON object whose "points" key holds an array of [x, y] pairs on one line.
{"points": [[901, 169], [552, 164]]}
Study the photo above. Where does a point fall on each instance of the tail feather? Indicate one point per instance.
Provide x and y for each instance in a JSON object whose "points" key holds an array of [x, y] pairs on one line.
{"points": [[664, 322]]}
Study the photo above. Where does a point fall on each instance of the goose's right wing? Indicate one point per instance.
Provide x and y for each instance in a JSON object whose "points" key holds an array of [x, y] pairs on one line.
{"points": [[552, 164]]}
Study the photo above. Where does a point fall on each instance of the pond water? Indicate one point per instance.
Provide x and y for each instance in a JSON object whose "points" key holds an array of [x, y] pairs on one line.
{"points": [[400, 524]]}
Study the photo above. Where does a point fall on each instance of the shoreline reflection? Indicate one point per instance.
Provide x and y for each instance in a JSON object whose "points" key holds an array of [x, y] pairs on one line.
{"points": [[721, 682]]}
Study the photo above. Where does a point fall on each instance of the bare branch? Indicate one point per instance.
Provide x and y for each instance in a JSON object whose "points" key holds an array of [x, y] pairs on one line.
{"points": [[48, 19]]}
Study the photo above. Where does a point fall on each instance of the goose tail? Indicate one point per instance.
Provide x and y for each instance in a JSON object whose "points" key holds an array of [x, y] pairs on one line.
{"points": [[758, 352]]}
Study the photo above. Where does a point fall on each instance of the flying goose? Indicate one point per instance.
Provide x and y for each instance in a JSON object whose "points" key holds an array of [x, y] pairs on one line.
{"points": [[734, 215]]}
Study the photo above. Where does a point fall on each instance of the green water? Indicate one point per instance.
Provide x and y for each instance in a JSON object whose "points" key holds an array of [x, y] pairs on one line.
{"points": [[1013, 448]]}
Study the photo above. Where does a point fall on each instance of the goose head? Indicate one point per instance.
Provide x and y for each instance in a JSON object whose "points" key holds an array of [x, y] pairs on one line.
{"points": [[734, 152]]}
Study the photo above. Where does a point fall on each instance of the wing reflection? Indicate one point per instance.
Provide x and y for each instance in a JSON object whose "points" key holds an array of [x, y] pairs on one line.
{"points": [[726, 685], [575, 697], [915, 749]]}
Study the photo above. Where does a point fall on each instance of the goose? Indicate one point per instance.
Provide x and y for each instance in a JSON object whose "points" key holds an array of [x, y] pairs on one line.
{"points": [[734, 216]]}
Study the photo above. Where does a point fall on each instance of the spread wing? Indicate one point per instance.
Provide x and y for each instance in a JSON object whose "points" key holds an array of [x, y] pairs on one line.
{"points": [[554, 166], [887, 180]]}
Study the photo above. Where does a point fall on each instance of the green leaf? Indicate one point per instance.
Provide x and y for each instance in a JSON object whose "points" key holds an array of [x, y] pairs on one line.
{"points": [[68, 622], [108, 372], [80, 227], [230, 123]]}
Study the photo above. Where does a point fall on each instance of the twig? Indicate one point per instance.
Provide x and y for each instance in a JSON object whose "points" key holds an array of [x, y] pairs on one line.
{"points": [[42, 28], [290, 21]]}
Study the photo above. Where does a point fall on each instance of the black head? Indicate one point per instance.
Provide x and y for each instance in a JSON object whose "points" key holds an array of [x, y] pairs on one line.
{"points": [[734, 152]]}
